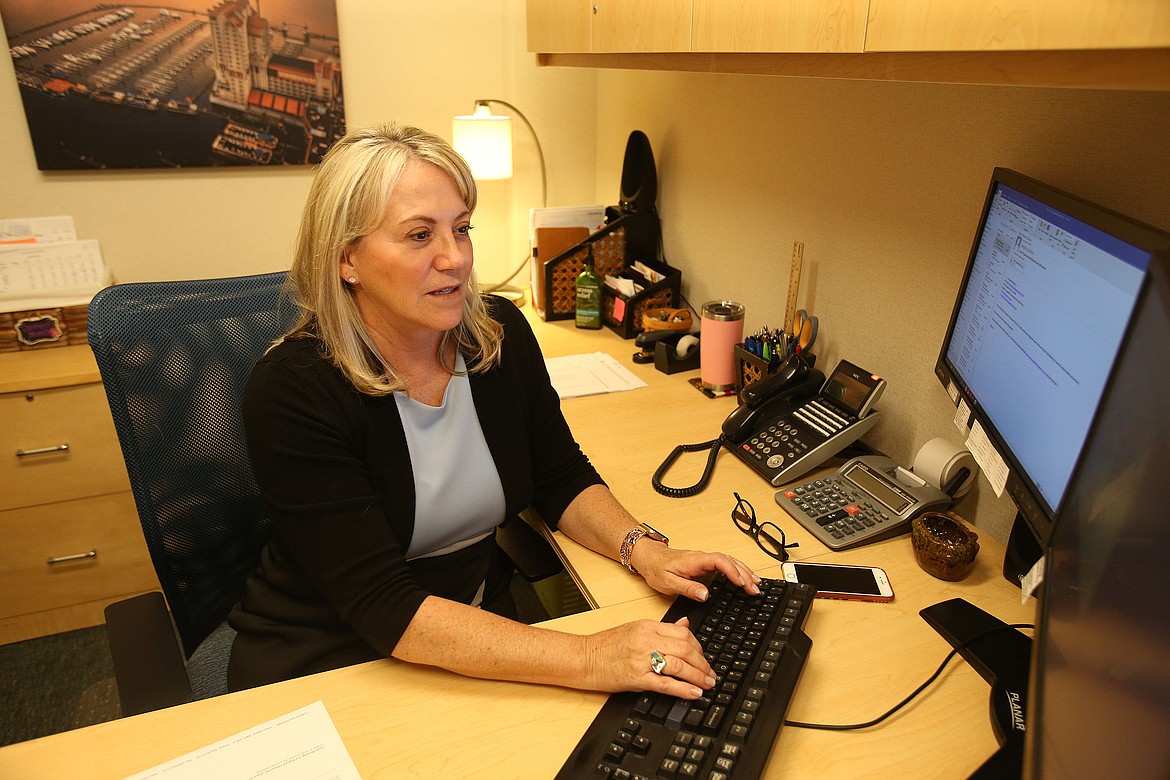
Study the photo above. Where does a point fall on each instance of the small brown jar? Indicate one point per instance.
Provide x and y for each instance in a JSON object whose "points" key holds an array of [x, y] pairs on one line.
{"points": [[943, 546]]}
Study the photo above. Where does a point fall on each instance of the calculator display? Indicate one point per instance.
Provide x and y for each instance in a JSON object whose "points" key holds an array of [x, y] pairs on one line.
{"points": [[879, 488]]}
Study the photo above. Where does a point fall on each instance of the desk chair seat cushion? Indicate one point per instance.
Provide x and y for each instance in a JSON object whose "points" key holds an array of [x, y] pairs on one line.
{"points": [[207, 666], [333, 466]]}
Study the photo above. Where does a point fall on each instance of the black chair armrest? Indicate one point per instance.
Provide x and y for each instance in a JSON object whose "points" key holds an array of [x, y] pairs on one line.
{"points": [[149, 665], [534, 557]]}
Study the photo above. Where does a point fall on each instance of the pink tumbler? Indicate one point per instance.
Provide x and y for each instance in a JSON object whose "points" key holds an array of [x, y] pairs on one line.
{"points": [[720, 330]]}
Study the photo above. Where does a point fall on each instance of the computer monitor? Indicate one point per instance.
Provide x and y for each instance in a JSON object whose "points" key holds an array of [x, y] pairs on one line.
{"points": [[1058, 344], [1099, 693], [1049, 288]]}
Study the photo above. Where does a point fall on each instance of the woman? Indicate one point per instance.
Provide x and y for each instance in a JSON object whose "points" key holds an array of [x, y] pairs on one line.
{"points": [[401, 420]]}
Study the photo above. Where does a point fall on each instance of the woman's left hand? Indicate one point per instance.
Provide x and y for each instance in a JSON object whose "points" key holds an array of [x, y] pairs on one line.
{"points": [[676, 572]]}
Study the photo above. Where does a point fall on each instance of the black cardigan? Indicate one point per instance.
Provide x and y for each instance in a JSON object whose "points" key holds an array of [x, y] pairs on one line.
{"points": [[333, 587]]}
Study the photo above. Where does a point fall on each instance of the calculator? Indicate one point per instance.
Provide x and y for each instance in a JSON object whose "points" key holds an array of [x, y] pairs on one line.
{"points": [[868, 499]]}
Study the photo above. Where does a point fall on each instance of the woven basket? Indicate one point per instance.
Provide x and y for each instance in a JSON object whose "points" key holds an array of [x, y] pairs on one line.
{"points": [[43, 328], [609, 258]]}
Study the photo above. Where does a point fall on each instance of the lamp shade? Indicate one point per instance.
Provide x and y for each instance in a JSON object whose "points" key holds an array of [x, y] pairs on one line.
{"points": [[485, 141]]}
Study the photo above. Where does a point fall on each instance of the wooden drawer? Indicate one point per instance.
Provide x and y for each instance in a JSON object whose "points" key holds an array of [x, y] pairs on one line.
{"points": [[107, 525], [42, 422]]}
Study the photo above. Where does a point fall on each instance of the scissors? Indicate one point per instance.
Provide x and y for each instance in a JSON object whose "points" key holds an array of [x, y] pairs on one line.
{"points": [[804, 331]]}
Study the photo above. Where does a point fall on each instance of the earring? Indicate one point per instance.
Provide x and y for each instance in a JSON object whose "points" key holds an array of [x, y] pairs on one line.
{"points": [[353, 280]]}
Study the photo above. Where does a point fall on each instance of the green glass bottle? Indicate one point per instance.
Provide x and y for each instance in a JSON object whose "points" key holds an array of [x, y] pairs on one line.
{"points": [[589, 295]]}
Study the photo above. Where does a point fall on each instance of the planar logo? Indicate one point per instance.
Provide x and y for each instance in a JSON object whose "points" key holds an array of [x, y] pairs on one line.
{"points": [[1017, 709]]}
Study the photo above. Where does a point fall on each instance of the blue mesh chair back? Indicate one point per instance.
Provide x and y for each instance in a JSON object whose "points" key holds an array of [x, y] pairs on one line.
{"points": [[174, 358]]}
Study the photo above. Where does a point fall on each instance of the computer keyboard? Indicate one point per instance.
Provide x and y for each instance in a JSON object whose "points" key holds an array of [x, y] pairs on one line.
{"points": [[757, 646]]}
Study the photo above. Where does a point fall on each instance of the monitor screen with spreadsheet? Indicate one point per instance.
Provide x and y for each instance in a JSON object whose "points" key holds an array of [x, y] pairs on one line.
{"points": [[1049, 290]]}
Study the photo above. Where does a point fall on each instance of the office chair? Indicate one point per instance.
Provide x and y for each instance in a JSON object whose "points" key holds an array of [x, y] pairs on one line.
{"points": [[174, 358]]}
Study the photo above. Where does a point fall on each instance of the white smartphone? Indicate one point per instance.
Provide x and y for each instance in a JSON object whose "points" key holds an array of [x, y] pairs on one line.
{"points": [[841, 581]]}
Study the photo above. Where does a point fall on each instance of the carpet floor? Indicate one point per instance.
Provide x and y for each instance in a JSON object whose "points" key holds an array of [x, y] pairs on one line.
{"points": [[56, 683]]}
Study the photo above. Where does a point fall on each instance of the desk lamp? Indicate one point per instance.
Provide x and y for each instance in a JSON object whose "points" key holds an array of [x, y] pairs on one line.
{"points": [[484, 139]]}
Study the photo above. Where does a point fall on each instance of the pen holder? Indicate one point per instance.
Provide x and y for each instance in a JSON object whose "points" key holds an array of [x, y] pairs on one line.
{"points": [[752, 368]]}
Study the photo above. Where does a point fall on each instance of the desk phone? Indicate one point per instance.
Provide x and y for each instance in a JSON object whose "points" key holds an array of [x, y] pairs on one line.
{"points": [[789, 422], [868, 499], [785, 446]]}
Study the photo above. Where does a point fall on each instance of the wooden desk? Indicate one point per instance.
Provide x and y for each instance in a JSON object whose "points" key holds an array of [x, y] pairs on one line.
{"points": [[404, 721]]}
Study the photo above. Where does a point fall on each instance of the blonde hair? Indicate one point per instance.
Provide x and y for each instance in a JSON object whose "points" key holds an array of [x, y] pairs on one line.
{"points": [[347, 201]]}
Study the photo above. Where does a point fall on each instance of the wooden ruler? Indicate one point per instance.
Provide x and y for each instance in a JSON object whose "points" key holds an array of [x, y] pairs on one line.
{"points": [[793, 284]]}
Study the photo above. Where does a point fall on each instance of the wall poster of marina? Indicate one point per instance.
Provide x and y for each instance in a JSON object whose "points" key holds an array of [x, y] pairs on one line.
{"points": [[232, 82]]}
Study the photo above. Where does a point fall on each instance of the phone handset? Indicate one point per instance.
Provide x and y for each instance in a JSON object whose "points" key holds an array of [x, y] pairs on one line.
{"points": [[792, 381]]}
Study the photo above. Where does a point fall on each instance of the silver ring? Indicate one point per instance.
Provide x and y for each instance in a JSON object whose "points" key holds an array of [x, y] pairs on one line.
{"points": [[657, 662]]}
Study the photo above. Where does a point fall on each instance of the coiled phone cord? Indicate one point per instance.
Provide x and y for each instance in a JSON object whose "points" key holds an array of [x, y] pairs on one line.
{"points": [[698, 487]]}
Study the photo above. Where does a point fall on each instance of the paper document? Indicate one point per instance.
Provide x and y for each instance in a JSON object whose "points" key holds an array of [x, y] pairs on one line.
{"points": [[303, 745], [65, 273], [36, 230], [577, 375]]}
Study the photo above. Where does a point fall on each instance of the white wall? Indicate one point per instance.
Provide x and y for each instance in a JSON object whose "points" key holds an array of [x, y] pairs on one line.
{"points": [[399, 64]]}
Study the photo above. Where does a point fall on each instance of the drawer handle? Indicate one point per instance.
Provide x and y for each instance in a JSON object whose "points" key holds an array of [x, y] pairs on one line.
{"points": [[42, 450], [77, 557]]}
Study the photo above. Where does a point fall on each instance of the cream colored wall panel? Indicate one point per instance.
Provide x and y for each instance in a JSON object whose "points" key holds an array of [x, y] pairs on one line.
{"points": [[883, 183], [946, 25], [778, 26], [641, 25]]}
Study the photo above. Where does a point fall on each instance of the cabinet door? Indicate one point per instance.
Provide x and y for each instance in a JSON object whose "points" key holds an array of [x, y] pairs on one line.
{"points": [[641, 25], [559, 25], [779, 25], [951, 25]]}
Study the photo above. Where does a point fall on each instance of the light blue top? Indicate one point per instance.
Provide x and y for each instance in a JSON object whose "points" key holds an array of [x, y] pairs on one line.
{"points": [[459, 499]]}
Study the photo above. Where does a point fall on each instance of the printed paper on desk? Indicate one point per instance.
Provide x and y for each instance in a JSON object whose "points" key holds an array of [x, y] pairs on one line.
{"points": [[36, 230], [578, 375], [302, 744], [66, 273]]}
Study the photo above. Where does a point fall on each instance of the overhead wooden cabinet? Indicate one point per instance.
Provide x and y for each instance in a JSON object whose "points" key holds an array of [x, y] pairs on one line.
{"points": [[609, 26], [559, 25], [641, 25], [772, 26], [1095, 44], [1026, 25]]}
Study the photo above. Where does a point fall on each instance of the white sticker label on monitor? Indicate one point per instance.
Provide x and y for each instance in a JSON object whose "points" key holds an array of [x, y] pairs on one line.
{"points": [[990, 462], [1032, 580], [962, 416]]}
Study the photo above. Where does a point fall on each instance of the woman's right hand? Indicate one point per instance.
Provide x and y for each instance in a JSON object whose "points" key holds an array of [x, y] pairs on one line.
{"points": [[619, 659]]}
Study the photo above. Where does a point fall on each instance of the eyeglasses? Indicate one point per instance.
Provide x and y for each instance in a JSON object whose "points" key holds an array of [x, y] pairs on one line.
{"points": [[769, 536]]}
